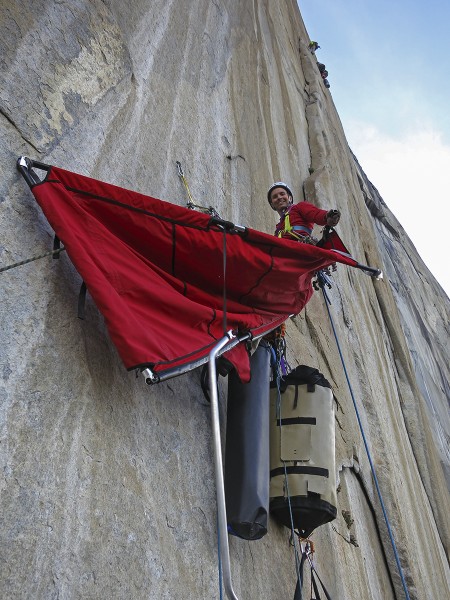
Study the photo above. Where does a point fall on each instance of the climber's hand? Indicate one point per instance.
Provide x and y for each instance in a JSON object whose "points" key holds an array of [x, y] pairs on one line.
{"points": [[333, 217]]}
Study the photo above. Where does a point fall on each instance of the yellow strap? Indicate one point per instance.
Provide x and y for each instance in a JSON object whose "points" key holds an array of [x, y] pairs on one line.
{"points": [[287, 226], [183, 179]]}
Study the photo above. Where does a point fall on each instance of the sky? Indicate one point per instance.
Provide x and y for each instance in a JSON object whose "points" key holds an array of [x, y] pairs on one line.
{"points": [[388, 68]]}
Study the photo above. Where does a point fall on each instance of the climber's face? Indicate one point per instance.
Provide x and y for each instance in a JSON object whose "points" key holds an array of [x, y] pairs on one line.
{"points": [[280, 199]]}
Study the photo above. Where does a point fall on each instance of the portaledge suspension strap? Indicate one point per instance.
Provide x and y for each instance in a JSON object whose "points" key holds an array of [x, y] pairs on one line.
{"points": [[191, 204]]}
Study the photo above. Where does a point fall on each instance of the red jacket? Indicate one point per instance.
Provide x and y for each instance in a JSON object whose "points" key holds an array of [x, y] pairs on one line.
{"points": [[302, 215]]}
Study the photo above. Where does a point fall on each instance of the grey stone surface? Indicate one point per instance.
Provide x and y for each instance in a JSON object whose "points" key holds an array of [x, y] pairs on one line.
{"points": [[107, 487]]}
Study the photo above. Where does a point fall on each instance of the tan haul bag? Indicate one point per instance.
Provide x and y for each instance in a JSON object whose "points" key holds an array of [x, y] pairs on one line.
{"points": [[302, 454]]}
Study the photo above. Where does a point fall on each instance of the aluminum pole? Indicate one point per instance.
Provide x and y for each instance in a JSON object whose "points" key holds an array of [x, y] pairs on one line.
{"points": [[220, 487]]}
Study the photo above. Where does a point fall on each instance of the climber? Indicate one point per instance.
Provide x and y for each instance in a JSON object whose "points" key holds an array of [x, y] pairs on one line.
{"points": [[324, 74], [313, 46], [297, 220]]}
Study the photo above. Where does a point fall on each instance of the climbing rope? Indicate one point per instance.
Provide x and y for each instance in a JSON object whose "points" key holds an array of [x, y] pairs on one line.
{"points": [[372, 467], [298, 562], [277, 356], [55, 253]]}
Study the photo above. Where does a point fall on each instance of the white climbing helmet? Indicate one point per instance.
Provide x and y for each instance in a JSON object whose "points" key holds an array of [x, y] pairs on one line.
{"points": [[280, 184]]}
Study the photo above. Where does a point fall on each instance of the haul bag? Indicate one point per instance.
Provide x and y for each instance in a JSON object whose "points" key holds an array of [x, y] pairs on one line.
{"points": [[302, 453], [247, 449]]}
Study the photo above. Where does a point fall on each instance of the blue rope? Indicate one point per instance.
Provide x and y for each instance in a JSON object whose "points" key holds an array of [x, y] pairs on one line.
{"points": [[391, 537]]}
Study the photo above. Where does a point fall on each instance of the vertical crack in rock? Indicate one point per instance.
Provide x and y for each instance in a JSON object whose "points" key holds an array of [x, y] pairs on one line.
{"points": [[317, 184]]}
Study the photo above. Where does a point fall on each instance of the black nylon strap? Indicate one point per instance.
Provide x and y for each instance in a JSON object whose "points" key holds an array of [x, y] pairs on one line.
{"points": [[297, 421], [327, 595], [298, 587], [314, 584], [300, 471], [82, 301], [296, 397], [56, 246]]}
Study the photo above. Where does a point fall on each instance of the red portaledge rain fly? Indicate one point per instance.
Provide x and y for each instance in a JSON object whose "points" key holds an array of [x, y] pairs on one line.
{"points": [[155, 271]]}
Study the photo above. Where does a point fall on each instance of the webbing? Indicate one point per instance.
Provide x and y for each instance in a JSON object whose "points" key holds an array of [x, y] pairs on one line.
{"points": [[292, 229]]}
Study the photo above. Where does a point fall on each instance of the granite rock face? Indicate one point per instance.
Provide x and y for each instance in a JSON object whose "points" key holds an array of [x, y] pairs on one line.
{"points": [[107, 487]]}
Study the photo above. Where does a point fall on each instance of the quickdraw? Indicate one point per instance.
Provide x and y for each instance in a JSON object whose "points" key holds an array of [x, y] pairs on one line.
{"points": [[210, 210]]}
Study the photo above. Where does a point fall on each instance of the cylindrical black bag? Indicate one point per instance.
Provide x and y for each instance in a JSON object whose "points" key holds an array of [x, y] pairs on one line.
{"points": [[247, 454]]}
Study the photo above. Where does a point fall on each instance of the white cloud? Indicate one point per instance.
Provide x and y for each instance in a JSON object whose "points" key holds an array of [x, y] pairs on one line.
{"points": [[411, 173]]}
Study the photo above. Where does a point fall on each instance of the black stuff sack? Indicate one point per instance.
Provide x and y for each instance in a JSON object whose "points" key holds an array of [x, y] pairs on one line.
{"points": [[247, 449]]}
